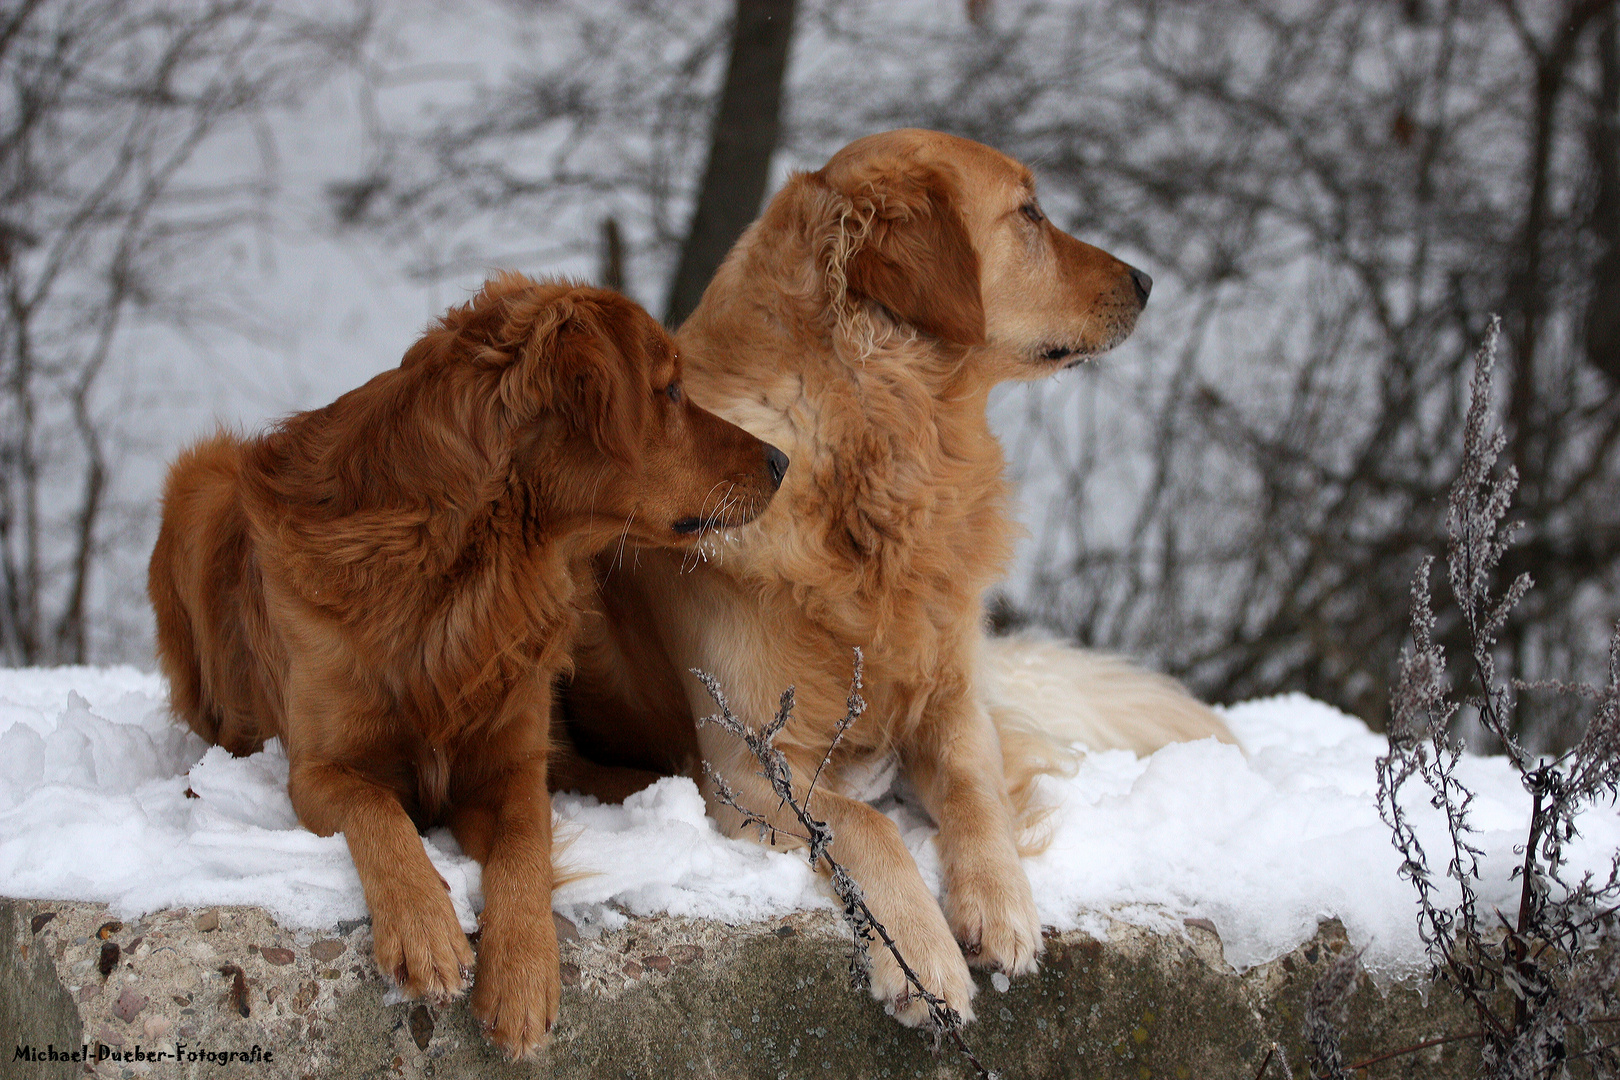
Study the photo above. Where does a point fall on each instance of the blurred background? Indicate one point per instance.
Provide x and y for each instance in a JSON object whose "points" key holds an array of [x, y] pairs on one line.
{"points": [[219, 211]]}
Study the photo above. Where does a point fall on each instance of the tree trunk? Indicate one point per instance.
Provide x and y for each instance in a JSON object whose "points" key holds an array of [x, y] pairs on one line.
{"points": [[610, 274], [740, 148], [1602, 326]]}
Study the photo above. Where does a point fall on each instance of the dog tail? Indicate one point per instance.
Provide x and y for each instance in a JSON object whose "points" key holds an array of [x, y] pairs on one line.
{"points": [[1051, 702]]}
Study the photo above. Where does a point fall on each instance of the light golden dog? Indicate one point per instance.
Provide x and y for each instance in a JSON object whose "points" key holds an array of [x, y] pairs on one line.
{"points": [[860, 325]]}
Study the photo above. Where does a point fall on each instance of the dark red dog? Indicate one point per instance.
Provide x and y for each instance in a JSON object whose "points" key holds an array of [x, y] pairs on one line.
{"points": [[389, 586]]}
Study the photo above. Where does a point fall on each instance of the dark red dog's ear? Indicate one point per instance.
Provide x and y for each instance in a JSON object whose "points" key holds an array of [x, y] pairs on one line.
{"points": [[575, 360], [606, 385], [916, 258]]}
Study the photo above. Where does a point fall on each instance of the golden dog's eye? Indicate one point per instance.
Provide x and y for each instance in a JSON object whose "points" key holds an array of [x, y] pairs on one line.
{"points": [[673, 391], [1032, 211]]}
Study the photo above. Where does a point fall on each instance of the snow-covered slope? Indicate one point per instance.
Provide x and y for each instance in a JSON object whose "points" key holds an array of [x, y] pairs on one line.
{"points": [[94, 805]]}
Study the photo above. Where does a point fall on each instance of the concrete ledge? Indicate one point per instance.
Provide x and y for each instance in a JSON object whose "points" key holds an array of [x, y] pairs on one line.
{"points": [[663, 997]]}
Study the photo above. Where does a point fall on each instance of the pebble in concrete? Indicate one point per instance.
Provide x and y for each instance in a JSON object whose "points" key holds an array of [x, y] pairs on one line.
{"points": [[685, 954], [327, 950], [421, 1026], [129, 1005]]}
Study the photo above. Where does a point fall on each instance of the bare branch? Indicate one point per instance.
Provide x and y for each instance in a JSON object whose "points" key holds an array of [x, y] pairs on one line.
{"points": [[105, 106], [943, 1021]]}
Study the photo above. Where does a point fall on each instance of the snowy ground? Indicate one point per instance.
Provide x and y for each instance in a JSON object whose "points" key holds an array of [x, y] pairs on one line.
{"points": [[93, 806]]}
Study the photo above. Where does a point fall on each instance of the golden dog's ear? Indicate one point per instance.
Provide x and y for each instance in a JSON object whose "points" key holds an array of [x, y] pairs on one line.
{"points": [[573, 357], [915, 257]]}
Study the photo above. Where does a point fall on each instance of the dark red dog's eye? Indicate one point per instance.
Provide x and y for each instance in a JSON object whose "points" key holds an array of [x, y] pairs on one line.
{"points": [[673, 391], [1033, 212]]}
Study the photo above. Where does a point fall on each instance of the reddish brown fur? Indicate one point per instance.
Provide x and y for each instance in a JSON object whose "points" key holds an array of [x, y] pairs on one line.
{"points": [[389, 586], [860, 324]]}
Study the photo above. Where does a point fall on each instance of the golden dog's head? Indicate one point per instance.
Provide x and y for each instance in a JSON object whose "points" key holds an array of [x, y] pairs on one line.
{"points": [[947, 235]]}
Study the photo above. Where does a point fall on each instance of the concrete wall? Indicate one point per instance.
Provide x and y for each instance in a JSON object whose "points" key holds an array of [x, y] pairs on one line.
{"points": [[663, 998]]}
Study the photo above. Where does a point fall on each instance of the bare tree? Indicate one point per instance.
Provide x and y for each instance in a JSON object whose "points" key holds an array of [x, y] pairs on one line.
{"points": [[609, 121], [104, 107], [1331, 197], [740, 148]]}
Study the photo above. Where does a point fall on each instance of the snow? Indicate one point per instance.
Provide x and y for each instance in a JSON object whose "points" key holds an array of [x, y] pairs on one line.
{"points": [[1263, 841]]}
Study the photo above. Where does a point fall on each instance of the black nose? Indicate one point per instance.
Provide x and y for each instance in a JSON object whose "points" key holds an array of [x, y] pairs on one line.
{"points": [[1143, 283], [777, 463]]}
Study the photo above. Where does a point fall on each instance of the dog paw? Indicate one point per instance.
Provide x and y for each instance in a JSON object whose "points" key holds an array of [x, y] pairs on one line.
{"points": [[933, 955], [420, 945], [518, 988], [992, 914]]}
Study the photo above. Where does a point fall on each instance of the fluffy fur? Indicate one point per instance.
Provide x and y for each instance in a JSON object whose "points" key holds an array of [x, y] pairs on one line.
{"points": [[389, 585], [861, 324]]}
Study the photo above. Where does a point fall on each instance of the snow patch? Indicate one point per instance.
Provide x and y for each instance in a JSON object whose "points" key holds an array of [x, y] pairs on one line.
{"points": [[103, 797]]}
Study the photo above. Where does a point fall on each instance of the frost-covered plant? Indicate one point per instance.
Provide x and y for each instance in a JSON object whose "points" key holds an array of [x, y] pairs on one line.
{"points": [[944, 1022], [1325, 1009], [1538, 975]]}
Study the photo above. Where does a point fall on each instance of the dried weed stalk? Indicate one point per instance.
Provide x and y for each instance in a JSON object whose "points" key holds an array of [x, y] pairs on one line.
{"points": [[1325, 1010], [944, 1022], [1540, 976]]}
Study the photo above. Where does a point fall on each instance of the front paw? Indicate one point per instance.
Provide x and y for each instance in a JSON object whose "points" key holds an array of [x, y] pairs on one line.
{"points": [[992, 914], [518, 986], [419, 943], [926, 943]]}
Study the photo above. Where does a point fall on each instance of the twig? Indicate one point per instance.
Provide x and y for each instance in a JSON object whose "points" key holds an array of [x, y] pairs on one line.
{"points": [[1413, 1049], [855, 705], [944, 1021], [1605, 1048]]}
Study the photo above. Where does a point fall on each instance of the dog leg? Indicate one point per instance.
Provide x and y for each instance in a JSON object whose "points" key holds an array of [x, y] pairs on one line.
{"points": [[518, 988], [413, 925], [570, 770], [869, 846], [954, 761]]}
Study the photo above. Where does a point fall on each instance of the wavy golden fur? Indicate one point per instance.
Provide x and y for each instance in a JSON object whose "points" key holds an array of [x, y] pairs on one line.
{"points": [[390, 585], [860, 324]]}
